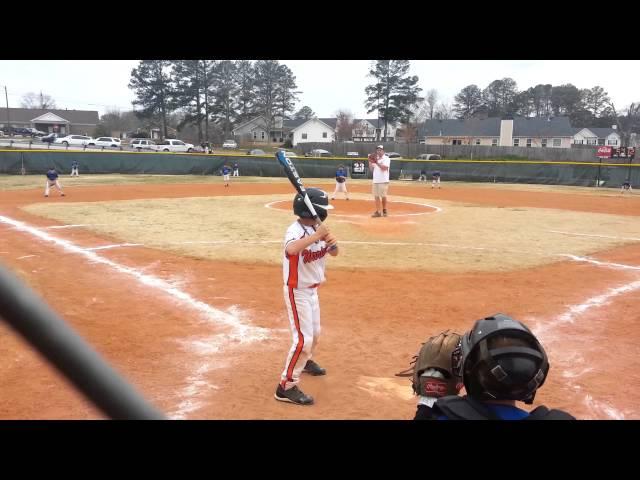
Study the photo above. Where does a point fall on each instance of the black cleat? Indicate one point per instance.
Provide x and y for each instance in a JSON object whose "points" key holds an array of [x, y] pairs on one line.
{"points": [[313, 368], [293, 395]]}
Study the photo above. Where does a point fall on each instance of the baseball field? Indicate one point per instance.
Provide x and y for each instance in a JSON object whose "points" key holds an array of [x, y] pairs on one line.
{"points": [[177, 282]]}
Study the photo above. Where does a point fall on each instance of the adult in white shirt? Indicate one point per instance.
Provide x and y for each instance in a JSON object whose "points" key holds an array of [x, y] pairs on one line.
{"points": [[380, 164]]}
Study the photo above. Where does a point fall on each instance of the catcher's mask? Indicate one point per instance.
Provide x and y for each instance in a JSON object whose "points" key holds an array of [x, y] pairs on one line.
{"points": [[502, 360], [320, 201]]}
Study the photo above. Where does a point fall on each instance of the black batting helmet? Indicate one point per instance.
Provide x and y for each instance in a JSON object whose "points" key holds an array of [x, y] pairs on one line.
{"points": [[502, 360], [320, 201]]}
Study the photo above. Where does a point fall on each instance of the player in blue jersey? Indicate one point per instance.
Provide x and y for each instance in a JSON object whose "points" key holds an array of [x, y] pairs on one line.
{"points": [[435, 179], [52, 181], [341, 182], [226, 170]]}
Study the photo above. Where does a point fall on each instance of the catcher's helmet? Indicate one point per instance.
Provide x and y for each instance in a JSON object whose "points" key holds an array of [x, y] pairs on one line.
{"points": [[320, 201], [502, 360]]}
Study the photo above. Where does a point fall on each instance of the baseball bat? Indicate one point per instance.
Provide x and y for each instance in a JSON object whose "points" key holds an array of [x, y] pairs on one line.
{"points": [[296, 181]]}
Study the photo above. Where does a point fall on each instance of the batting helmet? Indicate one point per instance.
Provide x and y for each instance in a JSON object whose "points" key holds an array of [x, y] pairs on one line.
{"points": [[502, 360], [320, 201]]}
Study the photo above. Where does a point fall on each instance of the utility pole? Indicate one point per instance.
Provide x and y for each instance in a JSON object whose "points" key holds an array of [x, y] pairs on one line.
{"points": [[6, 97]]}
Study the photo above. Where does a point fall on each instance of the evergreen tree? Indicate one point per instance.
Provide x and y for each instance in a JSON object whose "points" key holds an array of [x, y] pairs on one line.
{"points": [[394, 92], [151, 84]]}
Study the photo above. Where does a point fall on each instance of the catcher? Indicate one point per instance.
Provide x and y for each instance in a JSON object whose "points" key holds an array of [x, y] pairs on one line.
{"points": [[341, 182], [499, 361]]}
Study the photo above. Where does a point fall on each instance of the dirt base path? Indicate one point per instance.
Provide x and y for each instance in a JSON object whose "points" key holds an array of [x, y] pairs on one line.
{"points": [[217, 353]]}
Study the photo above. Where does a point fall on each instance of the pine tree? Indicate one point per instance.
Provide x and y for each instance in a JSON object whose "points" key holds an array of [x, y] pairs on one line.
{"points": [[394, 92], [151, 84]]}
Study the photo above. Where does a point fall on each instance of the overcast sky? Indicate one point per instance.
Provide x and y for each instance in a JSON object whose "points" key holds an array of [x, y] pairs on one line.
{"points": [[327, 85]]}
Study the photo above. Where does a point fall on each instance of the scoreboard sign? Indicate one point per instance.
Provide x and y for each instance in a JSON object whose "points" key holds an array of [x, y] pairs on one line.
{"points": [[623, 152], [358, 167], [616, 152]]}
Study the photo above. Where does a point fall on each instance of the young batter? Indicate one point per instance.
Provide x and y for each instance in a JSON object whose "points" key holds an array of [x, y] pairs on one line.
{"points": [[305, 245]]}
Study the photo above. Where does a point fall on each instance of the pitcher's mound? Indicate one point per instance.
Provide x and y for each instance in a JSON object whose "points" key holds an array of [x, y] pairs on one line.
{"points": [[364, 208]]}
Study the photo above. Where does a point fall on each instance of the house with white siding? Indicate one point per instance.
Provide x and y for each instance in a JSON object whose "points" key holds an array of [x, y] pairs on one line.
{"points": [[311, 130], [372, 130], [554, 132], [314, 130], [597, 136]]}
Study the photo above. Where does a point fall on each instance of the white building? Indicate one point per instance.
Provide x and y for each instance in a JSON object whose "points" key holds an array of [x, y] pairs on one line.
{"points": [[554, 132], [597, 136]]}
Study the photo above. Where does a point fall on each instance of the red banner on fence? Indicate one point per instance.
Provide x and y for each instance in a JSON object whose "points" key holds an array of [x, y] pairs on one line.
{"points": [[604, 152]]}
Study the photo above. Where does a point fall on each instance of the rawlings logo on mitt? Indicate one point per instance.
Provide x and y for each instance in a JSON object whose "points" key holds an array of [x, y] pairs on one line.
{"points": [[440, 353]]}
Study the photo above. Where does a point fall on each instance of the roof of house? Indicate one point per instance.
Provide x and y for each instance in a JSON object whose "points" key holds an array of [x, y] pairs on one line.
{"points": [[332, 122], [490, 127], [25, 115], [296, 122], [329, 122], [542, 127], [603, 132], [480, 127]]}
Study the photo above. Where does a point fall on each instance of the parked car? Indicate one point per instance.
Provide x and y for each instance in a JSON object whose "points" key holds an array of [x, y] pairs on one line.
{"points": [[107, 142], [256, 151], [49, 138], [75, 140], [353, 154], [395, 155], [429, 156], [229, 144], [25, 132], [318, 152], [35, 132], [289, 154], [142, 144], [172, 145]]}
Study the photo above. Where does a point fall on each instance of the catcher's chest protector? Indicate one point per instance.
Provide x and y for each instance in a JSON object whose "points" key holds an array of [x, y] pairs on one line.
{"points": [[465, 408]]}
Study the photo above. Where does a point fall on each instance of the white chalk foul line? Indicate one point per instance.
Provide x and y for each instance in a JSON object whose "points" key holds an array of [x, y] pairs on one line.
{"points": [[118, 245], [570, 359], [617, 266], [634, 239], [55, 227], [241, 333]]}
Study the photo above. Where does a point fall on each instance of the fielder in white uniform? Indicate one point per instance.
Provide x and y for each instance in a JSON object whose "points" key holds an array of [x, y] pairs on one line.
{"points": [[305, 245]]}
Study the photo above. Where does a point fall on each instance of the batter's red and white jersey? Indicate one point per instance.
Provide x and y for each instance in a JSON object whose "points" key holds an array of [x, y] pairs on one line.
{"points": [[307, 268]]}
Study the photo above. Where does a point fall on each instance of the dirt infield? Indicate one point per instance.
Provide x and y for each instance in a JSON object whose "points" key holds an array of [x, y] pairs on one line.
{"points": [[204, 337]]}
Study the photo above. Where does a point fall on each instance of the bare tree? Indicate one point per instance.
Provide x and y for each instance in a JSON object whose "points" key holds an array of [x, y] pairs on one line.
{"points": [[344, 125], [34, 100], [410, 131], [431, 101], [627, 122], [444, 111]]}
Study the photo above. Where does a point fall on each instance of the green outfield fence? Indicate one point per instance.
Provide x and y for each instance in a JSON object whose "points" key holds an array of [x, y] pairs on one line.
{"points": [[34, 162]]}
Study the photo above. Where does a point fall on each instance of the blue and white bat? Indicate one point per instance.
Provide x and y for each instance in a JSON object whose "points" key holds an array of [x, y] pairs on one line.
{"points": [[296, 181]]}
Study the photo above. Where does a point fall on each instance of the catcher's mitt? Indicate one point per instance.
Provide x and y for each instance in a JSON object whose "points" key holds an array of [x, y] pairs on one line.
{"points": [[442, 354], [373, 158], [340, 179]]}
